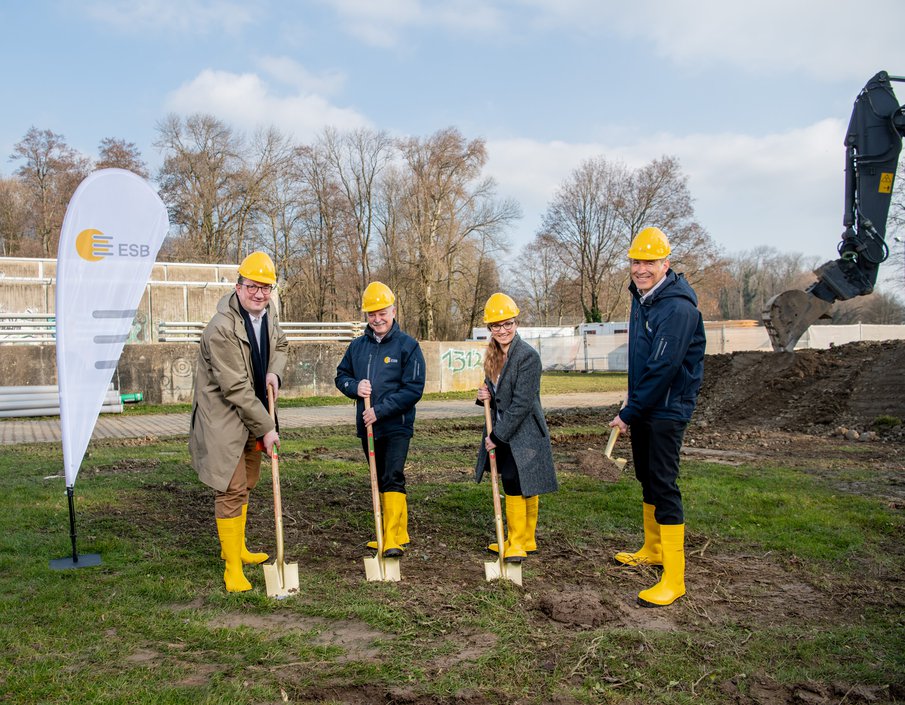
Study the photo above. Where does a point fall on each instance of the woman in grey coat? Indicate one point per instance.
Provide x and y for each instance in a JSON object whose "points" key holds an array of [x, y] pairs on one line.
{"points": [[512, 370]]}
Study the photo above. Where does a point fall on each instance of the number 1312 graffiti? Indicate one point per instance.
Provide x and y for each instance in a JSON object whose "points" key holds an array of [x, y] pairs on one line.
{"points": [[462, 360]]}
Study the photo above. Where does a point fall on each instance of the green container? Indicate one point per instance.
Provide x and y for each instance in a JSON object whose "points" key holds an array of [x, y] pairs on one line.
{"points": [[128, 398]]}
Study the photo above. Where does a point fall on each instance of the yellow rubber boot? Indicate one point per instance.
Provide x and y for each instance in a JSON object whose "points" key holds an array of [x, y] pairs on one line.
{"points": [[402, 534], [530, 540], [672, 583], [493, 548], [248, 558], [230, 532], [403, 531], [531, 507], [383, 515], [651, 553], [516, 525], [394, 505]]}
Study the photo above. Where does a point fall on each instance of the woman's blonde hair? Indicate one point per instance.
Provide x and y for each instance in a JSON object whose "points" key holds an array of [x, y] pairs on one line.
{"points": [[493, 360]]}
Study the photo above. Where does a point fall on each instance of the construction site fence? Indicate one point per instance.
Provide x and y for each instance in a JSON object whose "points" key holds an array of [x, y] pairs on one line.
{"points": [[609, 353]]}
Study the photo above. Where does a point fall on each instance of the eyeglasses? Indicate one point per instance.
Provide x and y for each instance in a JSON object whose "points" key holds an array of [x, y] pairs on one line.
{"points": [[497, 327], [255, 288]]}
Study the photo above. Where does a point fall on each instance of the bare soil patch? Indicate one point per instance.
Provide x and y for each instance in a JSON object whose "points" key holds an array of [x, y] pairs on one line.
{"points": [[755, 408]]}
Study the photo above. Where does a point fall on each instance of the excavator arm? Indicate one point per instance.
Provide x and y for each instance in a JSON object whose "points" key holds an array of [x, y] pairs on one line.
{"points": [[872, 145]]}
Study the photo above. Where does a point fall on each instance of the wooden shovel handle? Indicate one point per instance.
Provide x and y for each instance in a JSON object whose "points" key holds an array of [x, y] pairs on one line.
{"points": [[610, 444], [494, 484], [375, 490], [275, 473]]}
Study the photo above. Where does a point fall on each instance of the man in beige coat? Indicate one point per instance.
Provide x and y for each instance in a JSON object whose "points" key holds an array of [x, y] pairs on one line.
{"points": [[243, 352]]}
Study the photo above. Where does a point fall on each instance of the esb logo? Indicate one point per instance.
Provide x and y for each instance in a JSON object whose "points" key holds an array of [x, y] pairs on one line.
{"points": [[93, 246]]}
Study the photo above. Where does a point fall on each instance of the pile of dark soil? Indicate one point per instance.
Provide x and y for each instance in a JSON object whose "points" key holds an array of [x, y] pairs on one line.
{"points": [[810, 391]]}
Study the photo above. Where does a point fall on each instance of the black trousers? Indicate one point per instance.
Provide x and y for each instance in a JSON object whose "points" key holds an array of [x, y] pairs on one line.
{"points": [[655, 450], [390, 454], [506, 467]]}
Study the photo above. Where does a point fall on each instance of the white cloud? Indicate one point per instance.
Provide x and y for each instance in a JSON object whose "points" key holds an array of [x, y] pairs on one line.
{"points": [[783, 190], [184, 17], [829, 40], [819, 38], [245, 100], [292, 73], [382, 24]]}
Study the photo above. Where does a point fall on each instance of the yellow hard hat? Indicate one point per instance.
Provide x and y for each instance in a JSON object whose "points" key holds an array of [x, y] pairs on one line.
{"points": [[259, 267], [650, 243], [377, 296], [499, 307]]}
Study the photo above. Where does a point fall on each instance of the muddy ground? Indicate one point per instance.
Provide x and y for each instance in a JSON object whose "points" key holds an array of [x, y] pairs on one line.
{"points": [[754, 408]]}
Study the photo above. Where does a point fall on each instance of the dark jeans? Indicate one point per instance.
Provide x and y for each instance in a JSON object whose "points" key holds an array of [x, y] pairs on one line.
{"points": [[389, 456], [655, 450]]}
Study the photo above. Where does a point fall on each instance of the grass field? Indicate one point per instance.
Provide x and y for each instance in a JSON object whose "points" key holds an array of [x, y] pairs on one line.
{"points": [[551, 383], [795, 585]]}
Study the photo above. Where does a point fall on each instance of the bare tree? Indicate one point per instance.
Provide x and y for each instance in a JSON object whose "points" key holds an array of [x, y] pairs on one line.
{"points": [[281, 211], [584, 221], [358, 158], [598, 209], [13, 218], [884, 308], [117, 153], [211, 182], [50, 171], [446, 204], [759, 274], [328, 294], [543, 286], [893, 272]]}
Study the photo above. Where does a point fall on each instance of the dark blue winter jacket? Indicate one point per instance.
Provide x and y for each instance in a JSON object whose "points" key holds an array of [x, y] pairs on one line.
{"points": [[666, 352], [395, 367]]}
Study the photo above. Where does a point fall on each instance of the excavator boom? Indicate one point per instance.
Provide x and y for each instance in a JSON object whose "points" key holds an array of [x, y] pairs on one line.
{"points": [[872, 145]]}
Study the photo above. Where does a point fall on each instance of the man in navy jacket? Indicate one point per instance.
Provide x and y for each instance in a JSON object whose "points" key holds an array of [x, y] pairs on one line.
{"points": [[665, 368], [388, 366]]}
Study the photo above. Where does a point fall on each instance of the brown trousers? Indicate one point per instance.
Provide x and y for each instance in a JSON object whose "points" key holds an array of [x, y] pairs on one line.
{"points": [[228, 505]]}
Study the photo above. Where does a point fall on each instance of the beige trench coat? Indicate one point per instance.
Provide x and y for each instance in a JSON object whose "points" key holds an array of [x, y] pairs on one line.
{"points": [[225, 409]]}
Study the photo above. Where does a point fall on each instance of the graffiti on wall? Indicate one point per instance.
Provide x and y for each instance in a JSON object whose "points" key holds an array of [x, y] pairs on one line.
{"points": [[461, 367], [456, 361]]}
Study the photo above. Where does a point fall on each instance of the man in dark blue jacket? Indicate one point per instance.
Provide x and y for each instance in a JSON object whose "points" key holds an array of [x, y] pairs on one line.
{"points": [[388, 366], [665, 368]]}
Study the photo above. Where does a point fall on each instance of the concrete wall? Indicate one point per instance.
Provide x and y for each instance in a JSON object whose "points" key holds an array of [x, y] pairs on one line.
{"points": [[164, 372], [175, 292]]}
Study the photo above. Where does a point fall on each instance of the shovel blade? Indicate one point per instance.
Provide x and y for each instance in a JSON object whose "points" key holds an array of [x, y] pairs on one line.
{"points": [[390, 572], [510, 571], [281, 580]]}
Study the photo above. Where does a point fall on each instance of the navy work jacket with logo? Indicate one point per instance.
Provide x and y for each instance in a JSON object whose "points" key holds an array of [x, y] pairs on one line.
{"points": [[395, 367], [666, 352]]}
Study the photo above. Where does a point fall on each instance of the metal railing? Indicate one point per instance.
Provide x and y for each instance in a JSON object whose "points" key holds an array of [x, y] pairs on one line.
{"points": [[28, 328], [45, 401], [311, 332], [41, 328]]}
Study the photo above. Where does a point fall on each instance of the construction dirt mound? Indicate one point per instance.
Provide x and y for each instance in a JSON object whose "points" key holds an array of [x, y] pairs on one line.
{"points": [[858, 386]]}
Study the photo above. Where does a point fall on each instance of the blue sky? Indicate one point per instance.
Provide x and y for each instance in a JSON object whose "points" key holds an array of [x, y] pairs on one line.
{"points": [[753, 98]]}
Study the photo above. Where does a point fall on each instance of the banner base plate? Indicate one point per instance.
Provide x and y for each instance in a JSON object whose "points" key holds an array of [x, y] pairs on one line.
{"points": [[85, 560]]}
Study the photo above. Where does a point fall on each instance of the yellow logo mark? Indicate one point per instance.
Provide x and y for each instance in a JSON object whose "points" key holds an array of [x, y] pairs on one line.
{"points": [[886, 182], [93, 245], [386, 360]]}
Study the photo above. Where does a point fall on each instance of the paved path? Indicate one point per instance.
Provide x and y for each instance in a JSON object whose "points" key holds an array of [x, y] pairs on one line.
{"points": [[162, 425]]}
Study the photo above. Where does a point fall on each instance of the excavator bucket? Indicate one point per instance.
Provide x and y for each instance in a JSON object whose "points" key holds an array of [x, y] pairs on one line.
{"points": [[789, 314]]}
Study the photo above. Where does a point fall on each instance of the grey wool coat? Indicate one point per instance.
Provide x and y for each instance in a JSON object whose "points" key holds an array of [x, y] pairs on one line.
{"points": [[225, 408], [518, 420]]}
